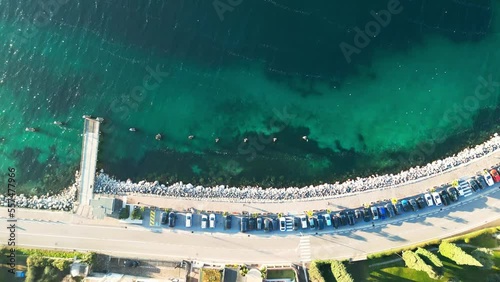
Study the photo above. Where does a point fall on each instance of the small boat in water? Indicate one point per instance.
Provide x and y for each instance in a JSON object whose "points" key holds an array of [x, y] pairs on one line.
{"points": [[305, 138], [191, 137], [60, 123], [30, 129], [216, 140], [158, 136], [132, 129]]}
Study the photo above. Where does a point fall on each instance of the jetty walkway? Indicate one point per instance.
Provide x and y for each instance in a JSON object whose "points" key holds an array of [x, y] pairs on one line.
{"points": [[89, 160]]}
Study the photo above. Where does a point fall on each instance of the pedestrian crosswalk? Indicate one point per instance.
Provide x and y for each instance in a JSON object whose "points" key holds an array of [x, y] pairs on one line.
{"points": [[289, 223], [464, 188], [305, 248]]}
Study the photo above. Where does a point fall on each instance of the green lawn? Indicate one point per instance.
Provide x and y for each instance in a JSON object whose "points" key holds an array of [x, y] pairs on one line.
{"points": [[281, 273], [20, 265]]}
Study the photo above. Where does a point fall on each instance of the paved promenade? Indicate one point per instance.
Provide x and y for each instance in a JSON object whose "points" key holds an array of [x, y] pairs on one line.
{"points": [[351, 201]]}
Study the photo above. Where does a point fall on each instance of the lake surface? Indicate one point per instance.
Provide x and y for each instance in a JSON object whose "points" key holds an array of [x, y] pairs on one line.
{"points": [[423, 84]]}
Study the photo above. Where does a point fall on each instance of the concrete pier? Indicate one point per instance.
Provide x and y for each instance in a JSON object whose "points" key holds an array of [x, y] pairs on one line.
{"points": [[89, 160]]}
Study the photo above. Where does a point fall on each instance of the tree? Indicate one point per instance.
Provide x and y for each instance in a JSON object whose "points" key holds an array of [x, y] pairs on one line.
{"points": [[413, 261], [340, 272], [484, 256], [456, 254]]}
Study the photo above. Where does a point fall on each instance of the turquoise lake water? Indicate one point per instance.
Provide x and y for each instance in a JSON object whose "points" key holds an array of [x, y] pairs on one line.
{"points": [[423, 88]]}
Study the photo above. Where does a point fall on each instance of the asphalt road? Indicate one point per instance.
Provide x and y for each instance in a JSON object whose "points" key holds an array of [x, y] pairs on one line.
{"points": [[279, 247]]}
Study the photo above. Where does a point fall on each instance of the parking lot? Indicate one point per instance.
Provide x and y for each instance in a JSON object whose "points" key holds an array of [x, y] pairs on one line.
{"points": [[324, 221]]}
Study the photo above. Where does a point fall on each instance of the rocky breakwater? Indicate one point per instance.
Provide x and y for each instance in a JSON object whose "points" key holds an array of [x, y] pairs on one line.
{"points": [[108, 185], [63, 201]]}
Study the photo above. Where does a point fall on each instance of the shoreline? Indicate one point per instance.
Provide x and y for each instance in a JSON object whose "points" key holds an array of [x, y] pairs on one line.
{"points": [[222, 193]]}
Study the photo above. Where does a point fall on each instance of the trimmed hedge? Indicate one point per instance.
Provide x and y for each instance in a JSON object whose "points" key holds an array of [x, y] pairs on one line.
{"points": [[414, 261], [484, 256], [314, 273], [340, 272], [430, 256], [474, 234], [456, 254], [400, 250], [85, 257], [124, 212]]}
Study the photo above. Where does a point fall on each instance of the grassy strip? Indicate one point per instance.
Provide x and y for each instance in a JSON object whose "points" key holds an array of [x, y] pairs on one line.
{"points": [[85, 257]]}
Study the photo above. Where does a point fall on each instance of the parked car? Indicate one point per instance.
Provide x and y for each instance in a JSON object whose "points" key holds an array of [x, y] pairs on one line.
{"points": [[259, 223], [398, 207], [359, 214], [482, 182], [321, 222], [276, 224], [495, 175], [374, 211], [390, 210], [171, 219], [351, 218], [164, 218], [268, 225], [414, 205], [303, 221], [421, 202], [453, 194], [382, 212], [474, 184], [406, 205], [487, 178], [428, 199], [243, 224], [211, 219], [445, 197], [282, 224], [252, 224], [343, 218], [227, 222], [436, 198], [336, 221], [204, 221], [189, 218], [296, 223], [328, 219], [368, 215], [312, 223]]}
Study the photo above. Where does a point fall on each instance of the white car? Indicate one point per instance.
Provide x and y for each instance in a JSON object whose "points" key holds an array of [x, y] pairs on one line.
{"points": [[488, 178], [436, 198], [303, 222], [374, 212], [204, 220], [428, 199], [189, 217], [212, 220], [328, 219], [282, 224]]}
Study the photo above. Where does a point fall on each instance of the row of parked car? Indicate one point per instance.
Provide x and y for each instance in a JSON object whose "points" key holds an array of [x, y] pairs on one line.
{"points": [[444, 195]]}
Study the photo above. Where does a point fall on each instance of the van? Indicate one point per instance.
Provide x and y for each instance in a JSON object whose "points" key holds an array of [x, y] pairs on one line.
{"points": [[244, 224]]}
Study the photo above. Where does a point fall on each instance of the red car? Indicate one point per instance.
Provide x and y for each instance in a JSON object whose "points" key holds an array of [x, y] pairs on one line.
{"points": [[495, 175]]}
